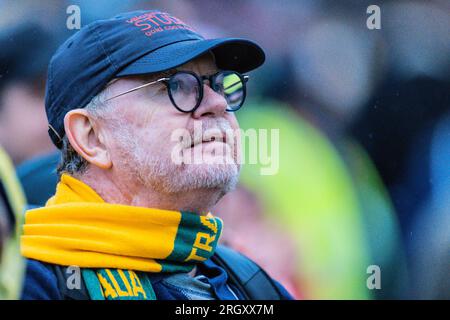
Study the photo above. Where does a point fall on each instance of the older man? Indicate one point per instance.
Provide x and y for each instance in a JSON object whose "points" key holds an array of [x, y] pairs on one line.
{"points": [[132, 102]]}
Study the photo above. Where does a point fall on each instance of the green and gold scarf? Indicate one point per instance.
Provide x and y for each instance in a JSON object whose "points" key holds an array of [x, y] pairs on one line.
{"points": [[115, 245]]}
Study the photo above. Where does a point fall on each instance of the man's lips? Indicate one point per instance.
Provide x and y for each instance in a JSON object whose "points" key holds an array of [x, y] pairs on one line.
{"points": [[216, 138]]}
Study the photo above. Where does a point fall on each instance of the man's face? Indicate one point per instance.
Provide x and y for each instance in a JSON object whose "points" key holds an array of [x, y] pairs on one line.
{"points": [[143, 130]]}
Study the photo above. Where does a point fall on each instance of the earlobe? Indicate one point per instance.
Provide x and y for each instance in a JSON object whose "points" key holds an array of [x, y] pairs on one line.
{"points": [[85, 140]]}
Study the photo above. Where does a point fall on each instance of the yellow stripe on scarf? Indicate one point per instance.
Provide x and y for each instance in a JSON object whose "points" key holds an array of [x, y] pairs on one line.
{"points": [[78, 228]]}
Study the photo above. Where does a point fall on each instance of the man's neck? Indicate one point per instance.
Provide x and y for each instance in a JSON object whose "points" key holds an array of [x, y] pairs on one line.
{"points": [[134, 194]]}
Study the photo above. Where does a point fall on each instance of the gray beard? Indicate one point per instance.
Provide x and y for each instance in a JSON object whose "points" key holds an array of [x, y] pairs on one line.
{"points": [[163, 175], [168, 177]]}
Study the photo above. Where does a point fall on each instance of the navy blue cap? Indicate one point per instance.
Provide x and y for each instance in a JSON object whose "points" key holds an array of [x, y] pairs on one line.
{"points": [[139, 42]]}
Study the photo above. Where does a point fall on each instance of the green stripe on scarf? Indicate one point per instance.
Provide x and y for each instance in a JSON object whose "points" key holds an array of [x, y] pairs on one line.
{"points": [[116, 245], [196, 240], [117, 284]]}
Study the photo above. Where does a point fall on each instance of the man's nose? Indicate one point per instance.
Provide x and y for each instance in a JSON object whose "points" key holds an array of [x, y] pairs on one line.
{"points": [[213, 104]]}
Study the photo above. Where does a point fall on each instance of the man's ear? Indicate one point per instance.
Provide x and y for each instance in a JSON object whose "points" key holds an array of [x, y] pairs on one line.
{"points": [[85, 140]]}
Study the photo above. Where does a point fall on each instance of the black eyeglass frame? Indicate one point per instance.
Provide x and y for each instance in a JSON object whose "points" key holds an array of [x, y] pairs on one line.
{"points": [[200, 80]]}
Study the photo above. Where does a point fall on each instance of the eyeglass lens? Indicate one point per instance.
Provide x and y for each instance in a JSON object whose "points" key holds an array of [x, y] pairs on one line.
{"points": [[186, 89]]}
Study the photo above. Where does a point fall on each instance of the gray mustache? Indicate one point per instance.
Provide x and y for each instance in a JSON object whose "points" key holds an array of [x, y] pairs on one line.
{"points": [[211, 130]]}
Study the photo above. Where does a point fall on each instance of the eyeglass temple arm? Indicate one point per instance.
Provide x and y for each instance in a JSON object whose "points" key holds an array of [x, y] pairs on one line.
{"points": [[137, 88]]}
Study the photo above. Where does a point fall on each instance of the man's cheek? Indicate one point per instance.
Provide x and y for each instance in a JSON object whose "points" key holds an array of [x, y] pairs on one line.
{"points": [[237, 146], [232, 120]]}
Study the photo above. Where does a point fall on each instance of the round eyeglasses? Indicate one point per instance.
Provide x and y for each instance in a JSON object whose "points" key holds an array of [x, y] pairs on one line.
{"points": [[185, 89]]}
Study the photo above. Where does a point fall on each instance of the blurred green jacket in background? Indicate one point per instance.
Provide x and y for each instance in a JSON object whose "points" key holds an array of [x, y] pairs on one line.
{"points": [[338, 213]]}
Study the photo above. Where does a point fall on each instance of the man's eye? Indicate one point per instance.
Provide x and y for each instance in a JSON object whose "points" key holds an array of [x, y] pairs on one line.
{"points": [[174, 86], [218, 86]]}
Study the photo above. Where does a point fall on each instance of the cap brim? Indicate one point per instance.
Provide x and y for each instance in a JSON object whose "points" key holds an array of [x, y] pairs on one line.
{"points": [[230, 54]]}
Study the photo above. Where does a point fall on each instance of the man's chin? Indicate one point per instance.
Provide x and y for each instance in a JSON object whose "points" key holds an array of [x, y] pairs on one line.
{"points": [[218, 177]]}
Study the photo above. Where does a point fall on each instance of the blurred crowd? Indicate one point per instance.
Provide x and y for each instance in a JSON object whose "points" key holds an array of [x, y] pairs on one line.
{"points": [[364, 122]]}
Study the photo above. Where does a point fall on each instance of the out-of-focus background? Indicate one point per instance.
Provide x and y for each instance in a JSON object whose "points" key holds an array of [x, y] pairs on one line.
{"points": [[360, 205]]}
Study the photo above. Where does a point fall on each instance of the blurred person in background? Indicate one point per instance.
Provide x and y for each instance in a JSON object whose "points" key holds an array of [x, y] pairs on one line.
{"points": [[313, 199], [12, 204], [399, 122], [252, 231], [327, 196], [328, 193], [27, 49], [335, 63], [23, 65], [430, 230], [390, 87]]}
